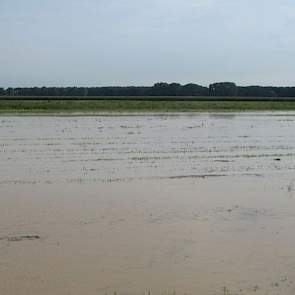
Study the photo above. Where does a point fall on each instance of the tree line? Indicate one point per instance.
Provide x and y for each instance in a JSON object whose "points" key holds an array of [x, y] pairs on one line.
{"points": [[158, 89]]}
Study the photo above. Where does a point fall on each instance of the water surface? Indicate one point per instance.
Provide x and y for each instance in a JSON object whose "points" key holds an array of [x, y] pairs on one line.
{"points": [[191, 203]]}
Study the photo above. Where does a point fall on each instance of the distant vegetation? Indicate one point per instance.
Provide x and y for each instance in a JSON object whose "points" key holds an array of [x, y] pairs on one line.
{"points": [[159, 89], [110, 105]]}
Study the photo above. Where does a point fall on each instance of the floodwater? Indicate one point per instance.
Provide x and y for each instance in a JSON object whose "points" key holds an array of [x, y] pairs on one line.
{"points": [[148, 204]]}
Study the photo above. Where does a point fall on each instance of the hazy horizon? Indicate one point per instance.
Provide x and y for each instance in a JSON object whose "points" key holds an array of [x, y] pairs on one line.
{"points": [[138, 43]]}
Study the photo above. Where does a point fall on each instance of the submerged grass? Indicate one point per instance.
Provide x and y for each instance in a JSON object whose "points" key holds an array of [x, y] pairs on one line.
{"points": [[9, 106]]}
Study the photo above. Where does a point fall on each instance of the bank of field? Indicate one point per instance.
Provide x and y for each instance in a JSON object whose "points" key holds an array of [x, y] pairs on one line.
{"points": [[142, 104]]}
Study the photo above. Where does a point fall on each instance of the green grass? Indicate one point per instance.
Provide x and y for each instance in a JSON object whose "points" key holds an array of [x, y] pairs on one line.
{"points": [[151, 98], [23, 105]]}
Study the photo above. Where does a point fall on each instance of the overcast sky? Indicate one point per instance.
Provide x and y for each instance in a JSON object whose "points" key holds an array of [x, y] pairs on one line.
{"points": [[140, 42]]}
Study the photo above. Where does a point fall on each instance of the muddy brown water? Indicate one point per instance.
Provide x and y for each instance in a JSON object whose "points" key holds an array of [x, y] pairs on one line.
{"points": [[139, 204]]}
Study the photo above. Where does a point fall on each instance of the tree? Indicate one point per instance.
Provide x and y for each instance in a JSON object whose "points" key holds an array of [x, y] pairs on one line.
{"points": [[223, 89]]}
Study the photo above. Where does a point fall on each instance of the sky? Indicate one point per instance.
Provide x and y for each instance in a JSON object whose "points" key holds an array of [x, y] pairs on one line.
{"points": [[141, 42]]}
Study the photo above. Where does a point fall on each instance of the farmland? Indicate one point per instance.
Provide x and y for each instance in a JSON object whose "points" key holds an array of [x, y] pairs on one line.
{"points": [[169, 203], [142, 104]]}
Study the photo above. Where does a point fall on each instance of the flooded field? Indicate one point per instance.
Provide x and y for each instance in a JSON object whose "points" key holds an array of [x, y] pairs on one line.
{"points": [[148, 204]]}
